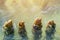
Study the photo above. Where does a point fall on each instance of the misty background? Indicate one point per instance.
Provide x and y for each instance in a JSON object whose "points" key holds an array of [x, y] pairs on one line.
{"points": [[28, 10]]}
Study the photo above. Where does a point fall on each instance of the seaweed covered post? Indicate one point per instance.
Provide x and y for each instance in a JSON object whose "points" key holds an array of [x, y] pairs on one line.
{"points": [[50, 30], [22, 31], [8, 30], [37, 29]]}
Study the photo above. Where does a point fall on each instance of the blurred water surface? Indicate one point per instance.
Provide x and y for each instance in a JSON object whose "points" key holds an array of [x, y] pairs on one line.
{"points": [[28, 14]]}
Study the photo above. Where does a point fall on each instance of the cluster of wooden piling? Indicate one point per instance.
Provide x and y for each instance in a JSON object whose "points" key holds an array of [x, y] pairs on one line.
{"points": [[36, 30]]}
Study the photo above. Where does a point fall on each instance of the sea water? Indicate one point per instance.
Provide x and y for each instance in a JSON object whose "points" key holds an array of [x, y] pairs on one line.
{"points": [[28, 15]]}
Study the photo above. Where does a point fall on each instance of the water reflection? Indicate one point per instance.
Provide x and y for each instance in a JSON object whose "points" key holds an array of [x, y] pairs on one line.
{"points": [[24, 37], [50, 36], [37, 35], [9, 37]]}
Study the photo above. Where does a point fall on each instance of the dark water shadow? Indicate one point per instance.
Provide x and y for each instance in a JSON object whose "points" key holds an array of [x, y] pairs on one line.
{"points": [[9, 37], [9, 34], [37, 35], [23, 36], [50, 35]]}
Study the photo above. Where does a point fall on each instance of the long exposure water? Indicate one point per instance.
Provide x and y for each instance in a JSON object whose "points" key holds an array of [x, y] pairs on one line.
{"points": [[28, 15]]}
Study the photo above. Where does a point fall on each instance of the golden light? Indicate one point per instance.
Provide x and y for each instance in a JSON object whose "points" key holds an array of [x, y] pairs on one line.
{"points": [[11, 4]]}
